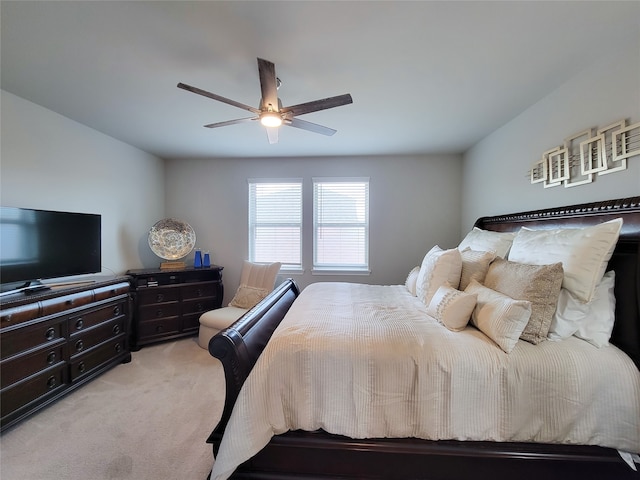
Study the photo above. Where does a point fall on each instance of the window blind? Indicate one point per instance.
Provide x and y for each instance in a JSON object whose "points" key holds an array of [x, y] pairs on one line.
{"points": [[275, 222], [341, 224]]}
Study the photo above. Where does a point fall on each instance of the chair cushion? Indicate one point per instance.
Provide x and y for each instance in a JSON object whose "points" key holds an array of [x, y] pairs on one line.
{"points": [[221, 318]]}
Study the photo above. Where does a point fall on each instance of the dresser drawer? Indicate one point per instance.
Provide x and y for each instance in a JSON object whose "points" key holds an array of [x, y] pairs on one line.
{"points": [[27, 338], [22, 313], [198, 306], [199, 290], [38, 387], [102, 293], [66, 302], [158, 295], [12, 371], [85, 364], [85, 340], [191, 322], [162, 310], [155, 328], [89, 318]]}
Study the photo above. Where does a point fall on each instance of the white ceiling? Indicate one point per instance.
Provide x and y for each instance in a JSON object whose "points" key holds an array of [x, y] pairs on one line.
{"points": [[425, 77]]}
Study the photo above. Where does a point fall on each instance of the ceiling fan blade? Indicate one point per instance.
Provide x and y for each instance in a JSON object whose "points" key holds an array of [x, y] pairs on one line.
{"points": [[268, 84], [230, 122], [312, 127], [316, 105], [272, 133], [213, 96]]}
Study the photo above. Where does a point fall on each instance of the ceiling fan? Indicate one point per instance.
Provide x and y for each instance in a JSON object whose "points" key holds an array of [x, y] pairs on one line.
{"points": [[271, 113]]}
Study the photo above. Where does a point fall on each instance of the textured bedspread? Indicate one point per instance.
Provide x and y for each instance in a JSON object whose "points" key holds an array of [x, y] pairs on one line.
{"points": [[367, 361]]}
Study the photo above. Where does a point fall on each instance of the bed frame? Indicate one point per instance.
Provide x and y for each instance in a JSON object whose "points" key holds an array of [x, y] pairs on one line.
{"points": [[319, 455]]}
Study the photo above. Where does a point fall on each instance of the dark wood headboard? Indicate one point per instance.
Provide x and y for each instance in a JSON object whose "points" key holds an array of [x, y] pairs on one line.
{"points": [[625, 260]]}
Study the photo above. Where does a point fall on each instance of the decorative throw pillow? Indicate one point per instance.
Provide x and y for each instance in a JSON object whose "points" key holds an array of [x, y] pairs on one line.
{"points": [[538, 284], [474, 266], [584, 253], [599, 314], [438, 266], [488, 241], [499, 317], [248, 297], [452, 307], [597, 326], [411, 280]]}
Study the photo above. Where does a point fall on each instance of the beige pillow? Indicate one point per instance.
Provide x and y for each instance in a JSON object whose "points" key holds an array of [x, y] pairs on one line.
{"points": [[452, 307], [438, 267], [248, 297], [499, 317], [475, 264], [584, 253], [488, 241], [411, 280], [538, 284]]}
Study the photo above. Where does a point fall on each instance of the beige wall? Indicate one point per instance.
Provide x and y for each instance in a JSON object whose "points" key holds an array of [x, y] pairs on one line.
{"points": [[494, 179], [50, 162], [414, 204]]}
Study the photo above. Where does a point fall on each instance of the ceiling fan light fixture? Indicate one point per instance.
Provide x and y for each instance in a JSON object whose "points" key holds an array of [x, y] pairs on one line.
{"points": [[271, 119]]}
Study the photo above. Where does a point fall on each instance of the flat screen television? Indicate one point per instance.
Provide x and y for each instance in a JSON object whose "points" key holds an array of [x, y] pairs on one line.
{"points": [[43, 244]]}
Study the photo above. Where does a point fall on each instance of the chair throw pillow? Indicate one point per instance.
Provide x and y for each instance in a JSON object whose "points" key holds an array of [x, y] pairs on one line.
{"points": [[248, 297]]}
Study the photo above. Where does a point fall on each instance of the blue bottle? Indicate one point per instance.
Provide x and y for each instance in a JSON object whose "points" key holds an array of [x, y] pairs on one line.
{"points": [[197, 261], [206, 262]]}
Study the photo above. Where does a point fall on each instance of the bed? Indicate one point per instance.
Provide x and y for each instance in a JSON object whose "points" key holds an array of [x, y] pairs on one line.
{"points": [[294, 442]]}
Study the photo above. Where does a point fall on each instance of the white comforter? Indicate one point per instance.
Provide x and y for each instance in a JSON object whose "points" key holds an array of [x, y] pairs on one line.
{"points": [[367, 361]]}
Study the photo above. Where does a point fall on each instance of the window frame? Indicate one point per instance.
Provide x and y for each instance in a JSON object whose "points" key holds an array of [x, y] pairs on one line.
{"points": [[345, 268], [252, 224]]}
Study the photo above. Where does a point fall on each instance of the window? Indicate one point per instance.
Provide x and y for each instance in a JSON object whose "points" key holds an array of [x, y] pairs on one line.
{"points": [[341, 224], [275, 222]]}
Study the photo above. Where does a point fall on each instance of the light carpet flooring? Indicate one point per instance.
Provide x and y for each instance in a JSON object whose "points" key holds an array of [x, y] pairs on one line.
{"points": [[148, 419]]}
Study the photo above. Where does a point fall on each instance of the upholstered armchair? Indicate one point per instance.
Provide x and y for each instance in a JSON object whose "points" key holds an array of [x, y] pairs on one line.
{"points": [[256, 282]]}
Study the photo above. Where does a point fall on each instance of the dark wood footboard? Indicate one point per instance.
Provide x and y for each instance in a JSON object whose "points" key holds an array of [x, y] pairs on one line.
{"points": [[239, 346]]}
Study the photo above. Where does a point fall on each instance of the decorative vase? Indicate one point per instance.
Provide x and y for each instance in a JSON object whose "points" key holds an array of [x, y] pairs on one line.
{"points": [[197, 261]]}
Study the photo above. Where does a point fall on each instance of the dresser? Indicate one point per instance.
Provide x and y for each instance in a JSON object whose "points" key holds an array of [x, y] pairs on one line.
{"points": [[168, 303], [55, 340]]}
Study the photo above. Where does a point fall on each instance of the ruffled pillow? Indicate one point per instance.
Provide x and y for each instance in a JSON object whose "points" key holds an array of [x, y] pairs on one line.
{"points": [[452, 307], [411, 280]]}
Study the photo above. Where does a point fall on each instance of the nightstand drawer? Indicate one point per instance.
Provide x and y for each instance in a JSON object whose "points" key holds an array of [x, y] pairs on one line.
{"points": [[159, 295], [155, 328], [156, 312], [199, 290]]}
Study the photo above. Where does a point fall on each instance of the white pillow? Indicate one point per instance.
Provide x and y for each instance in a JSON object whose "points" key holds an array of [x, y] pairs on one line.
{"points": [[411, 280], [584, 253], [499, 317], [475, 265], [438, 267], [597, 326], [488, 241], [452, 307]]}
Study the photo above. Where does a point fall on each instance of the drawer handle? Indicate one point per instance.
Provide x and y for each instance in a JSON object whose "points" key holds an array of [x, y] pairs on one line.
{"points": [[159, 313], [116, 329], [159, 329], [79, 324], [51, 358], [199, 292], [79, 346], [82, 367], [117, 347], [50, 334], [199, 307], [116, 310], [160, 297], [51, 382], [69, 302]]}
